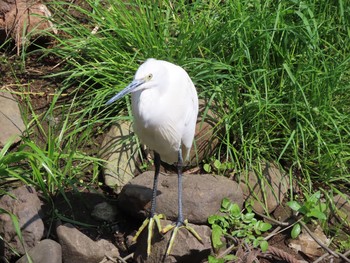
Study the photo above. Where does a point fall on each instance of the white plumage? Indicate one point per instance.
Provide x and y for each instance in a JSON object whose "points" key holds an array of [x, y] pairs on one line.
{"points": [[165, 108]]}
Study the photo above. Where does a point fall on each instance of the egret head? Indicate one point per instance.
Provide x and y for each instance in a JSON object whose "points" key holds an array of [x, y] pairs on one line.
{"points": [[147, 76]]}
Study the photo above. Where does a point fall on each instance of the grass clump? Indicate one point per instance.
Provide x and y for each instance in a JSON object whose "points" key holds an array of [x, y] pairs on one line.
{"points": [[276, 73]]}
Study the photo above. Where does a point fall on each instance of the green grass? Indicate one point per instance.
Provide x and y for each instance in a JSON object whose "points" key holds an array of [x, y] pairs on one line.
{"points": [[276, 73]]}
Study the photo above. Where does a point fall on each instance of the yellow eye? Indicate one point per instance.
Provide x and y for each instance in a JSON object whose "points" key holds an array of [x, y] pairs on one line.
{"points": [[149, 76]]}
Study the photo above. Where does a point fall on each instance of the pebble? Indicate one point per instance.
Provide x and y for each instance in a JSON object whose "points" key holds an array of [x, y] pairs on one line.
{"points": [[46, 251]]}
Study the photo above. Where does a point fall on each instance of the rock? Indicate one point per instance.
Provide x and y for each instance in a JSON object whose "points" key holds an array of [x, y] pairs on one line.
{"points": [[274, 188], [6, 6], [118, 148], [342, 213], [46, 251], [25, 16], [282, 213], [204, 140], [27, 207], [340, 216], [186, 247], [11, 122], [105, 212], [77, 247], [202, 195]]}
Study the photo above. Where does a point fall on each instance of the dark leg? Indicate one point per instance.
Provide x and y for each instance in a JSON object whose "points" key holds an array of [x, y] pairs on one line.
{"points": [[153, 218], [155, 183], [180, 219]]}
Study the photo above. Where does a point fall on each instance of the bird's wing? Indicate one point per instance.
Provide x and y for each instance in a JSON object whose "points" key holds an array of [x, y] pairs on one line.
{"points": [[190, 118]]}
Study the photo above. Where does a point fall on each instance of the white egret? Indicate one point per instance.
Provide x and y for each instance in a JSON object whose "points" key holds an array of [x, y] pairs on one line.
{"points": [[165, 109]]}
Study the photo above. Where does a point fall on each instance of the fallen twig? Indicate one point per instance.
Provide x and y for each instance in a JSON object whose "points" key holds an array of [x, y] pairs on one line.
{"points": [[8, 86], [273, 220], [327, 256]]}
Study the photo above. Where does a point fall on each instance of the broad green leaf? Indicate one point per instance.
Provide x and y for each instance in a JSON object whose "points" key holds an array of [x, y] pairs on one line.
{"points": [[256, 243], [235, 210], [317, 214], [216, 235], [315, 197], [294, 205], [212, 219], [249, 216], [264, 245], [304, 209], [323, 207], [212, 259], [225, 203], [230, 257], [296, 230], [217, 164], [207, 167], [264, 226]]}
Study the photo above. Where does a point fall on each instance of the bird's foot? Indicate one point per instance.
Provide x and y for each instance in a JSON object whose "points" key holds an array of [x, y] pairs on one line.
{"points": [[150, 222], [175, 228]]}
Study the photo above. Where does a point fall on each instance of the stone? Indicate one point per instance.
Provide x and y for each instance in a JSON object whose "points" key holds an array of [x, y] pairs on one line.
{"points": [[105, 212], [266, 194], [25, 16], [342, 213], [11, 123], [282, 213], [26, 206], [201, 196], [77, 247], [339, 216], [118, 148], [186, 247], [205, 141], [46, 251], [6, 6]]}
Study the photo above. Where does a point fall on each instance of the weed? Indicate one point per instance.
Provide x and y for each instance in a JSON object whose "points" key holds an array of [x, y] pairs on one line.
{"points": [[311, 209], [236, 223]]}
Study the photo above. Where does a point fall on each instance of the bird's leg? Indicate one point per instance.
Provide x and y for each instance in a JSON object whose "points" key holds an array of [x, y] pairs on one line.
{"points": [[180, 220], [153, 217]]}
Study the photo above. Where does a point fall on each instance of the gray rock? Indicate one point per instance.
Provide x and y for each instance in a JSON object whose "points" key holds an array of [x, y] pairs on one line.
{"points": [[342, 213], [27, 207], [26, 18], [340, 216], [118, 148], [77, 247], [202, 195], [11, 123], [46, 251], [282, 213], [267, 194], [186, 247], [105, 212]]}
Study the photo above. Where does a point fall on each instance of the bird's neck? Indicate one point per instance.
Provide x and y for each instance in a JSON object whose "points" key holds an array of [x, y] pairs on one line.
{"points": [[147, 105]]}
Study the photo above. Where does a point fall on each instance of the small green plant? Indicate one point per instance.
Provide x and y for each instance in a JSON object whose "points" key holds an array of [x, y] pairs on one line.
{"points": [[239, 224], [312, 209], [217, 166]]}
